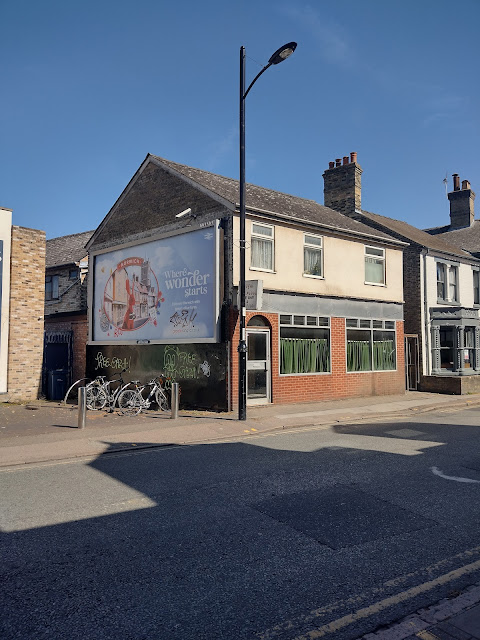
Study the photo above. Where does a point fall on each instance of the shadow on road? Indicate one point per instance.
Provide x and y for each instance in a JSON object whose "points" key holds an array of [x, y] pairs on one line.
{"points": [[229, 540]]}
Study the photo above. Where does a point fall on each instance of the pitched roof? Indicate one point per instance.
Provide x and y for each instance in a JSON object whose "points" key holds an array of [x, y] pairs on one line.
{"points": [[268, 201], [67, 249], [417, 236], [467, 238]]}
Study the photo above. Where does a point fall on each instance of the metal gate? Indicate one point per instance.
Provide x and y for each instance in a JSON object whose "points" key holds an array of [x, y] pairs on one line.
{"points": [[412, 362]]}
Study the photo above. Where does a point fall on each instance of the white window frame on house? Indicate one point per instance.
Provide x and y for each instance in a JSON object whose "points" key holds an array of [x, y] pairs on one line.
{"points": [[51, 288], [476, 285], [447, 281], [361, 354], [375, 255], [262, 234], [303, 330], [312, 246]]}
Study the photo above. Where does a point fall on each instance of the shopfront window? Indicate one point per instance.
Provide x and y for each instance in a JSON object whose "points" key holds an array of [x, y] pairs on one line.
{"points": [[304, 344], [447, 354], [371, 345], [469, 351]]}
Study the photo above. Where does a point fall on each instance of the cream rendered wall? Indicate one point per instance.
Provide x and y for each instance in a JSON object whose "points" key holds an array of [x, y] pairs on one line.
{"points": [[343, 267], [6, 237]]}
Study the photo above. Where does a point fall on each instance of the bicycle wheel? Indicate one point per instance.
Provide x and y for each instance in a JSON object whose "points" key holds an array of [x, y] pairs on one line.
{"points": [[161, 400], [96, 397], [130, 402]]}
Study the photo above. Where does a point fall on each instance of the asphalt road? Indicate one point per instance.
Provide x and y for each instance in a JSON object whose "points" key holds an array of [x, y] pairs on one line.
{"points": [[312, 533]]}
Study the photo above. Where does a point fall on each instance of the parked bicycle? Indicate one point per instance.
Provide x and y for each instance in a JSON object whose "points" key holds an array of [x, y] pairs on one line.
{"points": [[132, 401], [100, 392]]}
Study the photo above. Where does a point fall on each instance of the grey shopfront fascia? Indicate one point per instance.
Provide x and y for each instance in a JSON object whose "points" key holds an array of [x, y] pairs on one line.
{"points": [[455, 334], [303, 304]]}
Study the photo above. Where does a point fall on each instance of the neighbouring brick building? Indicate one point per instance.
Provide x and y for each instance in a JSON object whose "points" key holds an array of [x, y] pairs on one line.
{"points": [[441, 285], [22, 268], [66, 324], [324, 292]]}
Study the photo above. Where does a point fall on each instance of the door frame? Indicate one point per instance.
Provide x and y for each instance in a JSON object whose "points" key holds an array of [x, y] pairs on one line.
{"points": [[412, 362], [267, 399]]}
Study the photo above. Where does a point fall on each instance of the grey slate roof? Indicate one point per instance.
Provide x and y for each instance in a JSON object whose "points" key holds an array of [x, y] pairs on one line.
{"points": [[67, 249], [262, 199], [467, 238], [417, 236]]}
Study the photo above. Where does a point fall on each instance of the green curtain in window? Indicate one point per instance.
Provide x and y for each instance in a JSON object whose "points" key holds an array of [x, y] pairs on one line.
{"points": [[383, 355], [308, 355], [358, 355]]}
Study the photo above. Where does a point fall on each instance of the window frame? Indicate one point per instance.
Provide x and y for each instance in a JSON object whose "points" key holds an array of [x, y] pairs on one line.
{"points": [[448, 270], [313, 247], [290, 320], [476, 286], [53, 281], [380, 257], [264, 237], [370, 326]]}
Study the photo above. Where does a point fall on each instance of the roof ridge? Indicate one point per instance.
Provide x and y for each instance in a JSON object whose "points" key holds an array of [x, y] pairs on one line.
{"points": [[71, 235], [219, 175]]}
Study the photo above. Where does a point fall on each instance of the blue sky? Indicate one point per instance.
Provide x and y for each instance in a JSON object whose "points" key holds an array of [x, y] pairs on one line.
{"points": [[89, 88]]}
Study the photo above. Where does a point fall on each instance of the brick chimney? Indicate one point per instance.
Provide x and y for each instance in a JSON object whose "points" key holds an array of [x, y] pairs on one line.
{"points": [[342, 185], [461, 204]]}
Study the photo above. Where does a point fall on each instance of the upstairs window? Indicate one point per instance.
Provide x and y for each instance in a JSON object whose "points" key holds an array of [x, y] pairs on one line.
{"points": [[374, 265], [447, 282], [476, 286], [73, 274], [262, 247], [312, 255], [51, 288]]}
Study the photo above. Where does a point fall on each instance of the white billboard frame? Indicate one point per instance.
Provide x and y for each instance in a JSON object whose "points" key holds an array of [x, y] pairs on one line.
{"points": [[214, 227]]}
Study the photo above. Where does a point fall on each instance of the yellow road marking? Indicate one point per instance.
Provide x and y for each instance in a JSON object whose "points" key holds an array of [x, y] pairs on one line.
{"points": [[365, 612]]}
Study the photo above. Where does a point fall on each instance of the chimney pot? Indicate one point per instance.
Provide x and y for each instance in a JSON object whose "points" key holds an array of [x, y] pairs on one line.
{"points": [[338, 162], [456, 182], [465, 184], [346, 160], [353, 156], [331, 165]]}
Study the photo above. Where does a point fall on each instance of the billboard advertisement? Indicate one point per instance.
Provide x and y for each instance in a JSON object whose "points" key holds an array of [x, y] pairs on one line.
{"points": [[165, 290]]}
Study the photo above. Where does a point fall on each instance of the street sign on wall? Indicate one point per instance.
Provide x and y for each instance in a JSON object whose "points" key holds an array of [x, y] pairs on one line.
{"points": [[162, 291]]}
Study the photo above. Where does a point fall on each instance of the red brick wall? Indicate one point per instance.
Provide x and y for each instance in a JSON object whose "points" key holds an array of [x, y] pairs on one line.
{"points": [[337, 384]]}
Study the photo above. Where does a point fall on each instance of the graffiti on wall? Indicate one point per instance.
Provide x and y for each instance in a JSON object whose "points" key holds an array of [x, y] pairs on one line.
{"points": [[200, 369]]}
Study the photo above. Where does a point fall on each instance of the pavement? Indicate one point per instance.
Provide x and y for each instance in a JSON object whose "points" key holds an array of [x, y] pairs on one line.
{"points": [[42, 432]]}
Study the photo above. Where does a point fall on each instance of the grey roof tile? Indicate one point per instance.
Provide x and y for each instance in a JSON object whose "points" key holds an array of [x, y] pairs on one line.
{"points": [[467, 238], [67, 249], [263, 199], [412, 234]]}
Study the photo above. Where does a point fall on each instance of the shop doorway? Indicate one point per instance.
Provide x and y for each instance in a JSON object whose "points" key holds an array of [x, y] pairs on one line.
{"points": [[258, 366], [412, 362]]}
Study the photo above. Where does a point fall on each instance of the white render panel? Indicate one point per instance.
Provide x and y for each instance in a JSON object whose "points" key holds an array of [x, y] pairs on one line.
{"points": [[6, 237]]}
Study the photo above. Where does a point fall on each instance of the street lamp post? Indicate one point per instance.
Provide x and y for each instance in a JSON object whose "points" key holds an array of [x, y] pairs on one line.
{"points": [[279, 56]]}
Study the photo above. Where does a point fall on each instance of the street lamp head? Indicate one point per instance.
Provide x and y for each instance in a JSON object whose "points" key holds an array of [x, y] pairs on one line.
{"points": [[283, 53]]}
